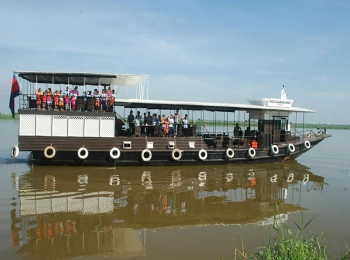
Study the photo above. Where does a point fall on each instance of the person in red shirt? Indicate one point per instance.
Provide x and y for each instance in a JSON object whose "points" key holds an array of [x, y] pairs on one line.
{"points": [[38, 94], [44, 100], [49, 99], [56, 100]]}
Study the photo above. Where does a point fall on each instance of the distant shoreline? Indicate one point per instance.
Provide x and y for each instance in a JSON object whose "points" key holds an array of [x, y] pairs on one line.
{"points": [[219, 123], [8, 117]]}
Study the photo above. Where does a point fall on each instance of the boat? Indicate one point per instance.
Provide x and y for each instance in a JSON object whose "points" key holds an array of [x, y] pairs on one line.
{"points": [[88, 135]]}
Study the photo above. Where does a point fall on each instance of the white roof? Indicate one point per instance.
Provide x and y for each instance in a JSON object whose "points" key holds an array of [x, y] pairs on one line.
{"points": [[82, 78], [208, 106]]}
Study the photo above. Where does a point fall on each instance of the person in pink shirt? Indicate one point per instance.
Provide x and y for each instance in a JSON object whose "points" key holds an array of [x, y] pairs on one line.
{"points": [[67, 102], [74, 102]]}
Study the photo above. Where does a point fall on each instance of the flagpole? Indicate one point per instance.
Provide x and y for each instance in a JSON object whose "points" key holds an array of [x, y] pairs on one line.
{"points": [[15, 91]]}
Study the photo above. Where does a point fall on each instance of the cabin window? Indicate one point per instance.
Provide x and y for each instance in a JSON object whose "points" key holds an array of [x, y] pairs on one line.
{"points": [[191, 145], [171, 145], [150, 145], [283, 124], [127, 144]]}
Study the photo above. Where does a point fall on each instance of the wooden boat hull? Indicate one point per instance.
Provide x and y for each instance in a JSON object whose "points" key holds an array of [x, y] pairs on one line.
{"points": [[66, 151]]}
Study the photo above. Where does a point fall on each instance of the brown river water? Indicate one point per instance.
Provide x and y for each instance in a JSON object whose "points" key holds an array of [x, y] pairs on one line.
{"points": [[197, 212]]}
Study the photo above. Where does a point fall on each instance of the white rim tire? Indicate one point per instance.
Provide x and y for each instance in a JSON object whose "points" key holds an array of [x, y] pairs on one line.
{"points": [[49, 152], [291, 148], [176, 154], [85, 153], [230, 153], [251, 152], [14, 151], [146, 155], [307, 144], [114, 153], [274, 149], [202, 154]]}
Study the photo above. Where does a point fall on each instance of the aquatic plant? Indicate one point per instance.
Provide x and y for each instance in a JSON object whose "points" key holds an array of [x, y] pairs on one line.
{"points": [[283, 243], [289, 245]]}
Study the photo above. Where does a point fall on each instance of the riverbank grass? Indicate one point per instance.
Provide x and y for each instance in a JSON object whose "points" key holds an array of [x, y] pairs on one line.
{"points": [[285, 244], [289, 245]]}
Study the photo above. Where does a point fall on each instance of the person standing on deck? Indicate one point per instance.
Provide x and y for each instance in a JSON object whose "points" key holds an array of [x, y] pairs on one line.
{"points": [[149, 119], [103, 100], [97, 101], [49, 99], [176, 122], [149, 122], [156, 125], [166, 128], [61, 101], [38, 94], [74, 102], [111, 98], [131, 123], [185, 125], [237, 130], [155, 120], [171, 125], [44, 100], [56, 100], [74, 91], [162, 121], [138, 119], [144, 118], [67, 102], [88, 97], [66, 92]]}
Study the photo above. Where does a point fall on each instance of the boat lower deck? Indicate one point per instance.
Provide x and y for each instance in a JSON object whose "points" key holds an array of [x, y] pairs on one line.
{"points": [[156, 150]]}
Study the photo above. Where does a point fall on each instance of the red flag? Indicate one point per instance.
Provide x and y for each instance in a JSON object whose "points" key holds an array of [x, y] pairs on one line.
{"points": [[14, 93]]}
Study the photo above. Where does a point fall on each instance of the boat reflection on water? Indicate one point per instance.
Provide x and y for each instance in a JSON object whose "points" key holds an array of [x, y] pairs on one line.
{"points": [[70, 211]]}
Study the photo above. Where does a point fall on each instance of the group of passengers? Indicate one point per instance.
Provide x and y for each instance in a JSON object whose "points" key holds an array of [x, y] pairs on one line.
{"points": [[168, 126], [67, 99]]}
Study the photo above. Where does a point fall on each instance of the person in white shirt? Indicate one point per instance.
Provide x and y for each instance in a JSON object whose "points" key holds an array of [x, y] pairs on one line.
{"points": [[103, 100], [138, 118], [185, 123], [177, 118], [66, 92], [171, 125]]}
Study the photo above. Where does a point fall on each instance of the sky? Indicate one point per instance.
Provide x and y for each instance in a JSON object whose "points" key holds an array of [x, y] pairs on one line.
{"points": [[217, 51]]}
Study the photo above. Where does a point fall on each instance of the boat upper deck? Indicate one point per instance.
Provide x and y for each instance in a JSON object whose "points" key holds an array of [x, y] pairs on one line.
{"points": [[140, 82]]}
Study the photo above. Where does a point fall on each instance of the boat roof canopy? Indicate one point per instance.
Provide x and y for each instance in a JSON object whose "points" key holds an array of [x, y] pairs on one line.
{"points": [[82, 78], [134, 80], [198, 106]]}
